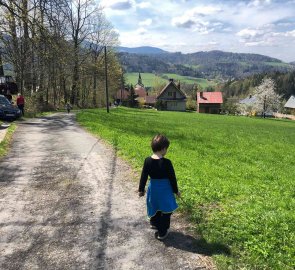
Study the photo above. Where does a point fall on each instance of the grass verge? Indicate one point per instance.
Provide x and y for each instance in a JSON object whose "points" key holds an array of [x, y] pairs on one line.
{"points": [[236, 174], [4, 145]]}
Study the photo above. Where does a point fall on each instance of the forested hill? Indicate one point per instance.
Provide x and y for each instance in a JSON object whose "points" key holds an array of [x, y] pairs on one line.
{"points": [[212, 64], [141, 50], [284, 82]]}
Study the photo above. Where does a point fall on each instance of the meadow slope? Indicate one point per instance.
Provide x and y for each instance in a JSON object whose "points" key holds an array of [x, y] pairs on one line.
{"points": [[236, 175]]}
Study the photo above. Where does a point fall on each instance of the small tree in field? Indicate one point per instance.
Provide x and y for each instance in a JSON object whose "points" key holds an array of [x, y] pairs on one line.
{"points": [[267, 100]]}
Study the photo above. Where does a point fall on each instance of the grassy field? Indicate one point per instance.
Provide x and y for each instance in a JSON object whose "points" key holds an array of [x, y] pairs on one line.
{"points": [[236, 175], [150, 79]]}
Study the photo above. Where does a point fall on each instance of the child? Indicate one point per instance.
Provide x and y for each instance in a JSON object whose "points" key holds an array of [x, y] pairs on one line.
{"points": [[68, 107], [160, 199]]}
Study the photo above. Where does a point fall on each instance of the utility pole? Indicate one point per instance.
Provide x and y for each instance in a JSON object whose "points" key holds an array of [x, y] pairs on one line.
{"points": [[106, 77], [264, 106], [122, 87]]}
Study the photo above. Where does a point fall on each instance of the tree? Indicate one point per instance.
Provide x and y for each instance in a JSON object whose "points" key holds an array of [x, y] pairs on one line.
{"points": [[54, 47], [267, 100], [132, 97]]}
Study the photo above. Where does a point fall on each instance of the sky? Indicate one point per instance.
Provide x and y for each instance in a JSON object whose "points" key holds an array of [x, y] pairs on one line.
{"points": [[255, 26]]}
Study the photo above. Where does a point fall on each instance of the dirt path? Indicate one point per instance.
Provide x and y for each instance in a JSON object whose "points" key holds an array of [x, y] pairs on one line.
{"points": [[67, 202]]}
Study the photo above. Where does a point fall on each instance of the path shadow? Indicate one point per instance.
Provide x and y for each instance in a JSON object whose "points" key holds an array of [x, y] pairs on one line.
{"points": [[106, 219], [188, 243]]}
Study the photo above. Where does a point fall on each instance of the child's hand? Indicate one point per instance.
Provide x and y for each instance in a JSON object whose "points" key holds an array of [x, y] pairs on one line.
{"points": [[140, 194], [178, 194]]}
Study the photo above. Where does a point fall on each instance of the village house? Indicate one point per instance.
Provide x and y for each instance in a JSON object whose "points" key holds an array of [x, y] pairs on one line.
{"points": [[291, 104], [247, 105], [122, 96], [209, 102], [171, 98], [143, 97]]}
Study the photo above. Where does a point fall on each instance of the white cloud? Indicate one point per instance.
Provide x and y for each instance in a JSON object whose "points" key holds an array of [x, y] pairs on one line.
{"points": [[198, 19], [285, 34], [257, 43], [141, 31], [118, 4], [258, 26], [141, 37], [257, 3], [290, 34], [213, 43], [197, 13], [144, 5], [147, 22], [250, 33], [266, 36], [183, 22]]}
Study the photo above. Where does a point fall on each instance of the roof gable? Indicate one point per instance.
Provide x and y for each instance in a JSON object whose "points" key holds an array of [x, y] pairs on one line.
{"points": [[173, 85], [210, 97], [140, 91], [290, 103], [248, 100]]}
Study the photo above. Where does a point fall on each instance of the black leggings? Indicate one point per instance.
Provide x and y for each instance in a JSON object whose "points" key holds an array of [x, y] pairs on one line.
{"points": [[161, 221]]}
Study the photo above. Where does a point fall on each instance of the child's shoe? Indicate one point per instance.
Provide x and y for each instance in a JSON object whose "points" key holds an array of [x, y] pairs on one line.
{"points": [[162, 237]]}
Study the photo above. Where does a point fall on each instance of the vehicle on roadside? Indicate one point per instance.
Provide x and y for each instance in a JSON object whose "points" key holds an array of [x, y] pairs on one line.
{"points": [[7, 110]]}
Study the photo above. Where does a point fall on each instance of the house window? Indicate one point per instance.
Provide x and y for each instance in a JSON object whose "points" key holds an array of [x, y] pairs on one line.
{"points": [[174, 94], [169, 94]]}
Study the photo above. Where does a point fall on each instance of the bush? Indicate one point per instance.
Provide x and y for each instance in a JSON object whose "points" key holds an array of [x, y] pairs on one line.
{"points": [[191, 104]]}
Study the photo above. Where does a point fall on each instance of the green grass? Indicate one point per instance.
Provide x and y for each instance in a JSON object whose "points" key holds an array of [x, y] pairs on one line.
{"points": [[191, 80], [150, 79], [278, 64], [236, 175], [4, 145]]}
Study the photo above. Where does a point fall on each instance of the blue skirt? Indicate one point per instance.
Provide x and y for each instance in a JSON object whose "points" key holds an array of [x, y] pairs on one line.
{"points": [[160, 197]]}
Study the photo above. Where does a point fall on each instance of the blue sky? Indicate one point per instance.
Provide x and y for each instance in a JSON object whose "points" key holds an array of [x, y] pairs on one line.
{"points": [[254, 26]]}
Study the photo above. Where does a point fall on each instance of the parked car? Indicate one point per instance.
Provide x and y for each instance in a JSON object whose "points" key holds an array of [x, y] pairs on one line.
{"points": [[7, 110]]}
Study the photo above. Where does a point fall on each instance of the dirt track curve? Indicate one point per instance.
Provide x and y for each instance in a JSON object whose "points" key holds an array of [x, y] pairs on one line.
{"points": [[68, 202]]}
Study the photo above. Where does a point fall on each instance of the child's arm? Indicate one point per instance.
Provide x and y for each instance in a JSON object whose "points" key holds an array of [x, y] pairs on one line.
{"points": [[172, 178], [143, 179]]}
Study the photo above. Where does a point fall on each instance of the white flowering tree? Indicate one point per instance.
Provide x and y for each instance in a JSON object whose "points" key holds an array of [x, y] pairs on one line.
{"points": [[267, 100]]}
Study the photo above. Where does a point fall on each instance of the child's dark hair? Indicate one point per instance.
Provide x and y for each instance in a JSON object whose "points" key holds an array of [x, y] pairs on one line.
{"points": [[159, 142]]}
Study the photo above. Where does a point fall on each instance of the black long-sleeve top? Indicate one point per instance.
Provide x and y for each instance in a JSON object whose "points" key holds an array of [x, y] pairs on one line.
{"points": [[158, 169]]}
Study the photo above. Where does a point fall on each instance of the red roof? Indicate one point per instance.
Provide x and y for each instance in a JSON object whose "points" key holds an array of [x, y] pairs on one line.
{"points": [[140, 91], [209, 97]]}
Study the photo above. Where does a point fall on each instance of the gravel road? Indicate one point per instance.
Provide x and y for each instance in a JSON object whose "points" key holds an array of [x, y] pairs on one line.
{"points": [[68, 202]]}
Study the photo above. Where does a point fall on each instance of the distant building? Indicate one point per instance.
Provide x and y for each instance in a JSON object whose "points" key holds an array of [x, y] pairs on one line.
{"points": [[122, 95], [248, 100], [142, 93], [209, 102], [291, 104], [247, 106], [172, 98]]}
